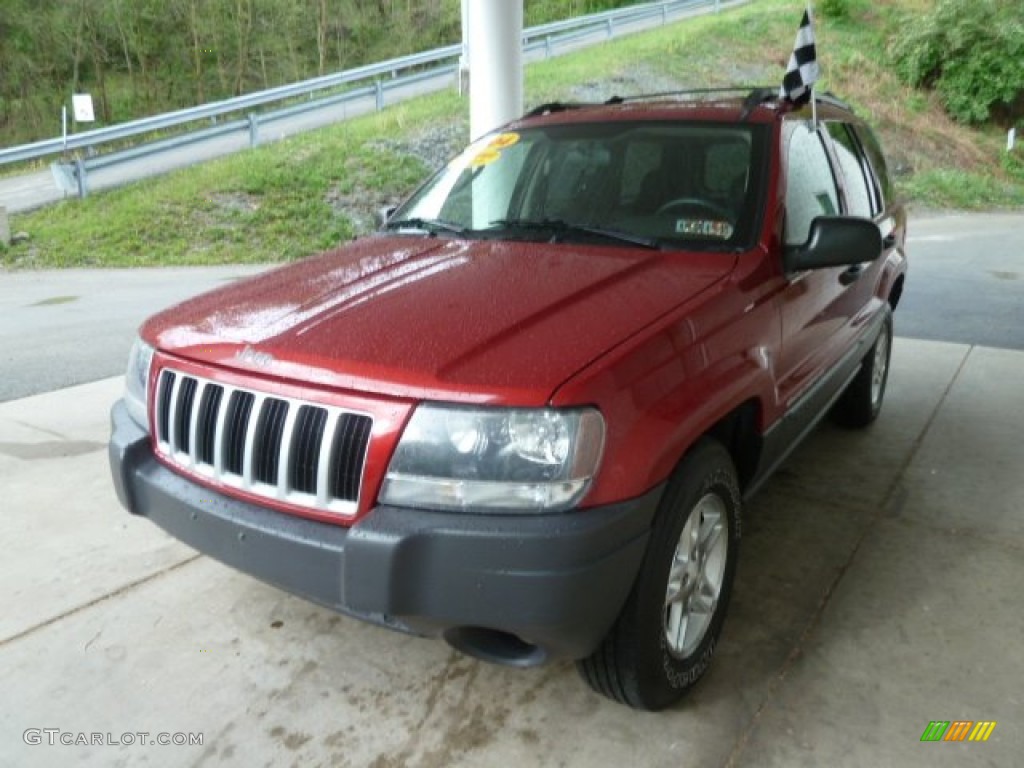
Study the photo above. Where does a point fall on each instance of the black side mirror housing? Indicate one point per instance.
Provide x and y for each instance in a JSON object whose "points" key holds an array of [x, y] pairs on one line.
{"points": [[835, 241]]}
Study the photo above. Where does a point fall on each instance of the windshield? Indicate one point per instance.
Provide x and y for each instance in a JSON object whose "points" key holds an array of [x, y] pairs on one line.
{"points": [[659, 184]]}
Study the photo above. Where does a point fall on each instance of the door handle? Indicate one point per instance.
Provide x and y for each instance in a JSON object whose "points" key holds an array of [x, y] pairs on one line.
{"points": [[851, 275]]}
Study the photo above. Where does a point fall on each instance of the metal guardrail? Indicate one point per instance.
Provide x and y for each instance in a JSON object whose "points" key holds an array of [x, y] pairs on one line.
{"points": [[217, 109], [445, 60]]}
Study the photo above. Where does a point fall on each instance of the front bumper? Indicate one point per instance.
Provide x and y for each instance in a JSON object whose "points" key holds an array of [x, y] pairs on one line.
{"points": [[517, 589]]}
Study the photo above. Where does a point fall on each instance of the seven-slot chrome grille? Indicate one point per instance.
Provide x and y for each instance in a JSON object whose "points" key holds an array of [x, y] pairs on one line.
{"points": [[306, 454]]}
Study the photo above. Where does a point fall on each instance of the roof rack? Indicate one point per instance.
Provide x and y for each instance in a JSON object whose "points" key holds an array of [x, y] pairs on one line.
{"points": [[695, 93], [830, 98], [755, 96], [555, 106]]}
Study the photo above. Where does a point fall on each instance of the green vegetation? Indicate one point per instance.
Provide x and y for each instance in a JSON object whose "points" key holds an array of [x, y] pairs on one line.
{"points": [[278, 202], [971, 52], [313, 191], [948, 188], [143, 57], [834, 9]]}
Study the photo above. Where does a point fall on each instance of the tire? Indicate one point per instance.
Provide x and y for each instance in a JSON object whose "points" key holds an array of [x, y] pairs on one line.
{"points": [[861, 403], [663, 642]]}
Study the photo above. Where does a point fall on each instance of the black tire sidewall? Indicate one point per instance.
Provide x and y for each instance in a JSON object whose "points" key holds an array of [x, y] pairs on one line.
{"points": [[855, 408], [664, 677], [886, 332]]}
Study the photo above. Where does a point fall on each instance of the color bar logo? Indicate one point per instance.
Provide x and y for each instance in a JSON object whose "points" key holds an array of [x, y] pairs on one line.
{"points": [[958, 730]]}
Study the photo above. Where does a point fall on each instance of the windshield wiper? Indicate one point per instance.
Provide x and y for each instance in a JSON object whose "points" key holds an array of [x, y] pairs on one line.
{"points": [[433, 226], [561, 227]]}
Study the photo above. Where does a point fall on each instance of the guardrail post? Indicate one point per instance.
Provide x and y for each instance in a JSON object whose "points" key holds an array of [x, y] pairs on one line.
{"points": [[379, 88], [664, 13], [611, 30], [718, 6], [80, 174], [254, 129], [547, 46]]}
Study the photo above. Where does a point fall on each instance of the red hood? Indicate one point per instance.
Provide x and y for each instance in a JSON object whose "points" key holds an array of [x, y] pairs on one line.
{"points": [[475, 320]]}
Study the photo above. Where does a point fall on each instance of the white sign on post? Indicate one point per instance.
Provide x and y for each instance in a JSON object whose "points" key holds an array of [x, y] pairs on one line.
{"points": [[1011, 139], [81, 103]]}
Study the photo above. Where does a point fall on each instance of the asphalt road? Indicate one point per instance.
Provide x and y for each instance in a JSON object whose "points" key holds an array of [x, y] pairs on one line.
{"points": [[66, 327], [966, 281], [966, 285]]}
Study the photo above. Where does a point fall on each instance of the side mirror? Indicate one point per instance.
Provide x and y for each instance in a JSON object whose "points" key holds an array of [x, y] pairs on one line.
{"points": [[835, 241]]}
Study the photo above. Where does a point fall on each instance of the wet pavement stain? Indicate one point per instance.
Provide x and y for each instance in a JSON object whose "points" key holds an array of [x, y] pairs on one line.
{"points": [[293, 740], [1005, 275], [54, 300], [453, 726], [51, 449], [213, 752]]}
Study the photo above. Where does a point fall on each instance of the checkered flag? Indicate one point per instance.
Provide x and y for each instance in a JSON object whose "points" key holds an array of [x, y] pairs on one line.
{"points": [[802, 71]]}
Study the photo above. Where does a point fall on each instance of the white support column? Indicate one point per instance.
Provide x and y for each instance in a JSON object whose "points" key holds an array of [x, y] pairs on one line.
{"points": [[464, 56], [495, 64]]}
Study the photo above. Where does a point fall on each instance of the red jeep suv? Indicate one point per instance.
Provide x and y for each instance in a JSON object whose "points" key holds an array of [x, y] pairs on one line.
{"points": [[525, 415]]}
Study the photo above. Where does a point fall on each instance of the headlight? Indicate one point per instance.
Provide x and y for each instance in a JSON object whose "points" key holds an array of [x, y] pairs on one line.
{"points": [[136, 382], [495, 459]]}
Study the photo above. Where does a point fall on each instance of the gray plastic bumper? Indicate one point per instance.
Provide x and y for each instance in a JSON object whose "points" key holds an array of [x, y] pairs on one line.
{"points": [[555, 582]]}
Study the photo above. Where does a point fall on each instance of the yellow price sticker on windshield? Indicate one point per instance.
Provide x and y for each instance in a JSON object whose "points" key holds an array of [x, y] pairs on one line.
{"points": [[492, 151], [486, 157], [504, 140]]}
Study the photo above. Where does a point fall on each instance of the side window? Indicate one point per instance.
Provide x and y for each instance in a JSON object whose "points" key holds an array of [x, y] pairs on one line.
{"points": [[810, 187], [874, 153], [858, 193]]}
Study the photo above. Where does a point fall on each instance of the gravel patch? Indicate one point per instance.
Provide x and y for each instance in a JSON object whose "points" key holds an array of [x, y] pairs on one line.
{"points": [[361, 207], [640, 81], [433, 147]]}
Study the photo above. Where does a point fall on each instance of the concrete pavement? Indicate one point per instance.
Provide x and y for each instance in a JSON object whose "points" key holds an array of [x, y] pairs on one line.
{"points": [[878, 590]]}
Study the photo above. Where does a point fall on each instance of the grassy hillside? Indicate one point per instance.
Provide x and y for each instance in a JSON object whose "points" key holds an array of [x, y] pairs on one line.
{"points": [[299, 196], [147, 57]]}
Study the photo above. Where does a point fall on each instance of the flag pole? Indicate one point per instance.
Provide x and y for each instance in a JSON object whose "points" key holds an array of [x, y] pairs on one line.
{"points": [[814, 101]]}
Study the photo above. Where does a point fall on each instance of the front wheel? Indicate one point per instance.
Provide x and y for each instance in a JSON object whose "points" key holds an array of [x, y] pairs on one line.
{"points": [[664, 638], [861, 403]]}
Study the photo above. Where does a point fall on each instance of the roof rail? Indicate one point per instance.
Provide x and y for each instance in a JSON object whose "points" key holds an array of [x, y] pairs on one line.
{"points": [[555, 106], [697, 93], [822, 97], [756, 98], [830, 98], [755, 95]]}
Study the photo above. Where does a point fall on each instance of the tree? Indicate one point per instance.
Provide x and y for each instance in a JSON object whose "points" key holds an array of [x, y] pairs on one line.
{"points": [[140, 57]]}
